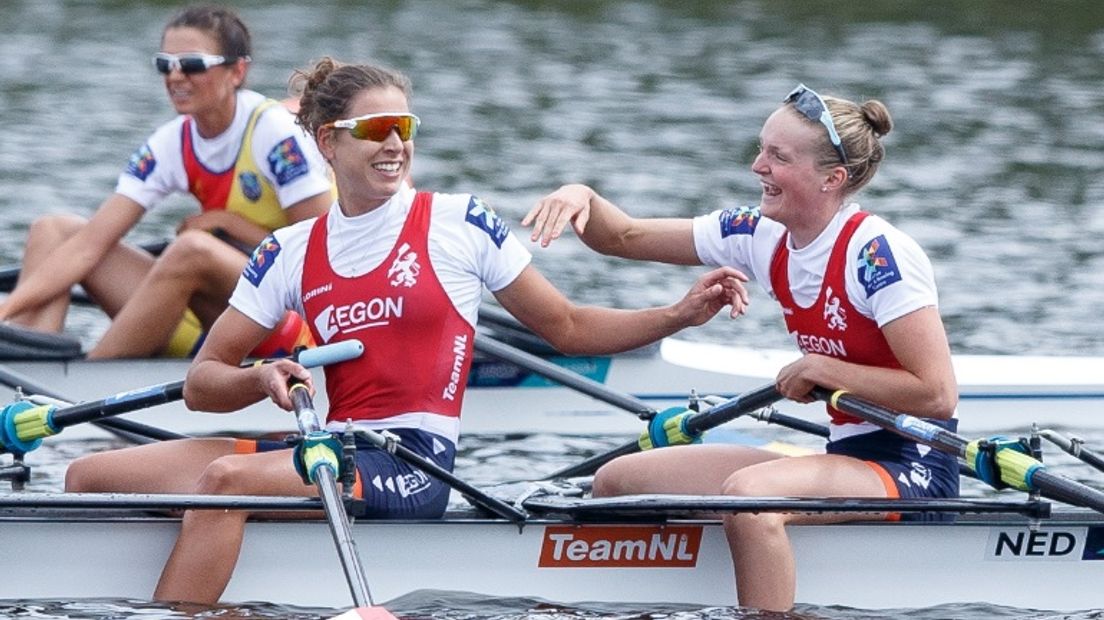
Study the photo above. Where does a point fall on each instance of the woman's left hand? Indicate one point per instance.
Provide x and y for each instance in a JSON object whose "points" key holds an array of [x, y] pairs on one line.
{"points": [[713, 291]]}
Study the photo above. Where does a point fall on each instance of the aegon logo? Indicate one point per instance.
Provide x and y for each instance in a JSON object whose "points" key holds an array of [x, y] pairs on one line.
{"points": [[650, 546], [357, 316], [1038, 544], [819, 344]]}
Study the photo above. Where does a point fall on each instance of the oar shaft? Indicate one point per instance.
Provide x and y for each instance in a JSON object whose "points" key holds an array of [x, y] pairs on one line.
{"points": [[326, 482], [343, 538], [1050, 485], [117, 404], [733, 408], [563, 376]]}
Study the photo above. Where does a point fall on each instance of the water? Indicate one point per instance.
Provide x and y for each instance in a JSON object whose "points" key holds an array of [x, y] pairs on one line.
{"points": [[993, 166]]}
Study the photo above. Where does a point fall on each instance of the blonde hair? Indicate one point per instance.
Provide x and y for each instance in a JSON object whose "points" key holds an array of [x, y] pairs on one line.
{"points": [[860, 128]]}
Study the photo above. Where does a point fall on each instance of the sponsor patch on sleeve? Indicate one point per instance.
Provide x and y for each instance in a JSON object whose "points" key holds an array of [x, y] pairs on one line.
{"points": [[876, 265], [286, 161], [141, 163], [484, 217], [261, 261], [739, 221]]}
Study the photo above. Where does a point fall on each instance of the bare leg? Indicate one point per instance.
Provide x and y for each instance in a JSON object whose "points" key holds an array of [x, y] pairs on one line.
{"points": [[207, 549], [106, 283], [697, 469], [163, 467], [196, 270], [761, 552]]}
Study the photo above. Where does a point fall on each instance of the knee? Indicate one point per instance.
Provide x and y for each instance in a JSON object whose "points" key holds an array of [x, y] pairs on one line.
{"points": [[55, 228], [613, 478], [221, 477], [187, 254], [83, 476]]}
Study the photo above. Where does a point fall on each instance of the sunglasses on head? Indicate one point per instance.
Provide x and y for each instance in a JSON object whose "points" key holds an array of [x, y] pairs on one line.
{"points": [[189, 64], [377, 127], [810, 104]]}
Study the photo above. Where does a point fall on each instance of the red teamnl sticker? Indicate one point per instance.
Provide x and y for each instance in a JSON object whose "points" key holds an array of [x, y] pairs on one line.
{"points": [[620, 546]]}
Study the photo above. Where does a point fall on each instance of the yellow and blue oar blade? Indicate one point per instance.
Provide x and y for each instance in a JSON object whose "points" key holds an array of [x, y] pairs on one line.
{"points": [[1016, 469]]}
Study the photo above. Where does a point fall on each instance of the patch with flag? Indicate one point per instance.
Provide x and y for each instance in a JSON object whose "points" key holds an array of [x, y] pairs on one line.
{"points": [[876, 265], [261, 260], [141, 163], [484, 218], [287, 161], [739, 221]]}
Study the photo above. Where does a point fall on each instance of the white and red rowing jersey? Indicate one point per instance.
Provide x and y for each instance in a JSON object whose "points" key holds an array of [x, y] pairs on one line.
{"points": [[837, 292], [283, 157], [406, 279]]}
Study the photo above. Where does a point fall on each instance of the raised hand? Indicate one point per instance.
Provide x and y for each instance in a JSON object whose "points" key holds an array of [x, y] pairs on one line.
{"points": [[713, 291], [568, 204]]}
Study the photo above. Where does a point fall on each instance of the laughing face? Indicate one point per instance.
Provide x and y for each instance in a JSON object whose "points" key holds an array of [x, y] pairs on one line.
{"points": [[368, 173], [786, 166]]}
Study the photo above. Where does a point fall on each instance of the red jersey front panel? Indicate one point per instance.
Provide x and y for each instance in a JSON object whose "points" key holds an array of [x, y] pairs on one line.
{"points": [[417, 346], [831, 325]]}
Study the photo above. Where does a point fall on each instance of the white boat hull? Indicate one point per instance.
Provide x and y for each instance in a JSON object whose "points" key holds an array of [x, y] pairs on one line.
{"points": [[998, 393], [1058, 566]]}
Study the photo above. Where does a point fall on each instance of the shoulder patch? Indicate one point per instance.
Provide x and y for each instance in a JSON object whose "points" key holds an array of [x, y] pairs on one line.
{"points": [[261, 260], [739, 221], [141, 163], [483, 217], [876, 265], [286, 161]]}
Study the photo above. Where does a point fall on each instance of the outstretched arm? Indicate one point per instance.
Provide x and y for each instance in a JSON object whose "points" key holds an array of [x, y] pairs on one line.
{"points": [[607, 229], [71, 261], [574, 329]]}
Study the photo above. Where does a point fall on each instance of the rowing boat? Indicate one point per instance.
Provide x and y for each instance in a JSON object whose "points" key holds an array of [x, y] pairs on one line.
{"points": [[1056, 563], [997, 392]]}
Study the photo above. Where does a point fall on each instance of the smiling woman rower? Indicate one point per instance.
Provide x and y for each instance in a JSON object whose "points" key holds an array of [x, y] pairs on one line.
{"points": [[857, 295], [401, 271], [242, 157]]}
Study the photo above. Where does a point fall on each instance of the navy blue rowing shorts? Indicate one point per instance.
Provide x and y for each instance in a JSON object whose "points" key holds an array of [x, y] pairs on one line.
{"points": [[390, 487], [907, 468]]}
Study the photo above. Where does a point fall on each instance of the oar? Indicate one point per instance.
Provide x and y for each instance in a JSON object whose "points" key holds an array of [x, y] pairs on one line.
{"points": [[23, 425], [128, 429], [1015, 468], [474, 495], [321, 463], [697, 423], [563, 376]]}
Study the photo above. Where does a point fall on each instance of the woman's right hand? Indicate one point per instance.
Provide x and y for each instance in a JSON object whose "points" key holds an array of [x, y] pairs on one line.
{"points": [[274, 378], [568, 204]]}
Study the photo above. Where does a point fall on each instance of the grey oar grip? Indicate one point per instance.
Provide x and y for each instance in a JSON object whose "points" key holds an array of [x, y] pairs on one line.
{"points": [[331, 353]]}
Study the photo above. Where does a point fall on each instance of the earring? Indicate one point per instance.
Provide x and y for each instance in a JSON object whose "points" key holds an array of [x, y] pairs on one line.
{"points": [[823, 188]]}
